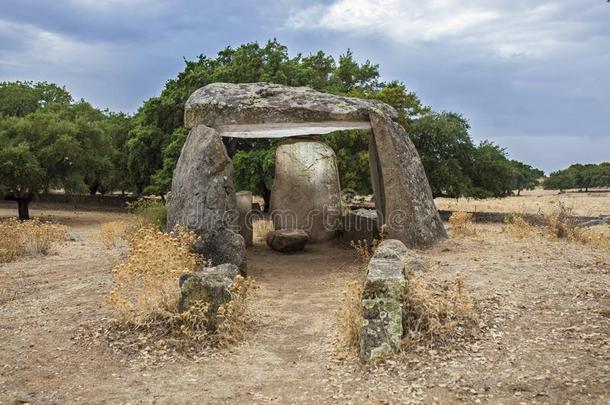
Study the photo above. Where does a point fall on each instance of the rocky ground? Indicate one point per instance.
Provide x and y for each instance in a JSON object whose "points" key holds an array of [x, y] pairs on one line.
{"points": [[544, 333]]}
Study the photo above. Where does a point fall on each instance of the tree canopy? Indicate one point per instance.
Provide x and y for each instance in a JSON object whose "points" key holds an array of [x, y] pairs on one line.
{"points": [[579, 176], [49, 141]]}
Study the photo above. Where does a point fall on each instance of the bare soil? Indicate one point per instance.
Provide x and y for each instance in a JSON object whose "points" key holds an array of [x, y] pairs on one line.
{"points": [[544, 332]]}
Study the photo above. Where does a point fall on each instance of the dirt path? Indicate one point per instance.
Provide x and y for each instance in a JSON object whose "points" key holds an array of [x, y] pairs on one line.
{"points": [[545, 338]]}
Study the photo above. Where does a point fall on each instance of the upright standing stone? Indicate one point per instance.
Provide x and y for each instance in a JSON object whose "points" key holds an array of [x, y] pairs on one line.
{"points": [[382, 300], [306, 193], [402, 193], [203, 199], [244, 208]]}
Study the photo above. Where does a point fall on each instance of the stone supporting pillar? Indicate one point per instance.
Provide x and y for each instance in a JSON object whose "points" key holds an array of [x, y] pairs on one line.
{"points": [[244, 207], [306, 193]]}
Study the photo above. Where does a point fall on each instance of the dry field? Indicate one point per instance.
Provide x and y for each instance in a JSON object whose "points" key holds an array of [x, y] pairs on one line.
{"points": [[533, 202], [543, 333]]}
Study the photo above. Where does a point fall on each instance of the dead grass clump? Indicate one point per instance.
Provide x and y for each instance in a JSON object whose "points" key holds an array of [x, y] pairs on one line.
{"points": [[145, 285], [461, 223], [21, 238], [234, 317], [515, 225], [364, 251], [350, 315], [434, 315], [562, 226], [260, 229], [146, 293], [113, 234], [5, 294]]}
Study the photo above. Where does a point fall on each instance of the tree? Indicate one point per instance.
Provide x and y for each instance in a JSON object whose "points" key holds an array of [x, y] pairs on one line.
{"points": [[526, 177], [21, 177], [116, 128], [447, 152], [144, 155], [254, 171], [18, 99], [351, 149], [493, 174], [579, 176], [56, 145]]}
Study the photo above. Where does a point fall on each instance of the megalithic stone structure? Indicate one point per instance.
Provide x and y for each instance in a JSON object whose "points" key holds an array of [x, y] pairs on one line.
{"points": [[264, 110]]}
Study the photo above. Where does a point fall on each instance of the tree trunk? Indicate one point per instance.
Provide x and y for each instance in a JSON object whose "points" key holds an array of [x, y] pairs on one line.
{"points": [[24, 209], [93, 188], [267, 199]]}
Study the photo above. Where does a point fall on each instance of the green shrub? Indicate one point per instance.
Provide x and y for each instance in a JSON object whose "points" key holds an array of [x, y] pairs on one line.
{"points": [[149, 212]]}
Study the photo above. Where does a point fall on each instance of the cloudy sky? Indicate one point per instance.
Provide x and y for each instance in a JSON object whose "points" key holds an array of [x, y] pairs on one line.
{"points": [[531, 75]]}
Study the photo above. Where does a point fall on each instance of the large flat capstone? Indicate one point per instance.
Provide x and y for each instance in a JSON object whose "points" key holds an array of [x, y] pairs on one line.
{"points": [[225, 104]]}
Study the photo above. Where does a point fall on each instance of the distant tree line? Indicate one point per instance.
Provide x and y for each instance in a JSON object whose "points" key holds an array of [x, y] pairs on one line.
{"points": [[50, 141], [579, 176]]}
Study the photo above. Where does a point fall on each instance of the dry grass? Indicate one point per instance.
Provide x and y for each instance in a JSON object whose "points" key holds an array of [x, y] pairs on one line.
{"points": [[145, 293], [22, 238], [515, 225], [113, 234], [560, 227], [533, 202], [260, 229], [234, 317], [145, 285], [6, 294], [434, 314], [350, 315], [461, 224], [364, 251]]}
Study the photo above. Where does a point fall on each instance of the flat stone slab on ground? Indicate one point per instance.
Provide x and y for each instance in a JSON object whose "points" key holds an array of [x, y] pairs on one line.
{"points": [[287, 240]]}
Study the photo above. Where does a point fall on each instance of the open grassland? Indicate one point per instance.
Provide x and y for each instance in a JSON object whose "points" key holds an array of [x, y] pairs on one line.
{"points": [[535, 201], [542, 334]]}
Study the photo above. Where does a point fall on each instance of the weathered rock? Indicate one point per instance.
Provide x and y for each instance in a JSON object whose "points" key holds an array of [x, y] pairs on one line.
{"points": [[212, 286], [391, 248], [244, 207], [382, 299], [306, 193], [360, 225], [220, 105], [287, 240], [203, 199], [402, 193]]}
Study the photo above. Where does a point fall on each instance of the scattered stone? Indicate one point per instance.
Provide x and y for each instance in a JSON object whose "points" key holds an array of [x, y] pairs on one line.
{"points": [[360, 224], [381, 303], [391, 248], [210, 285], [287, 240]]}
